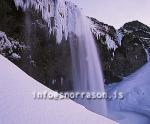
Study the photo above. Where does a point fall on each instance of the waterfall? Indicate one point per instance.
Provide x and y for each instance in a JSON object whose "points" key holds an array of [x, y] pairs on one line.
{"points": [[74, 26], [87, 71]]}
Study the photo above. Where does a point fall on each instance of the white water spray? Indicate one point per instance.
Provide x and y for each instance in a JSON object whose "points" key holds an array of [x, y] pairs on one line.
{"points": [[69, 21]]}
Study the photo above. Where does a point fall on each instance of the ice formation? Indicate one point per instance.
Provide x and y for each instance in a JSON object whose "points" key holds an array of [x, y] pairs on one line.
{"points": [[60, 15], [101, 30]]}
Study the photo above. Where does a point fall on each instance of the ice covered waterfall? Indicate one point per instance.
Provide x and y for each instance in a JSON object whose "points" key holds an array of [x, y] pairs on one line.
{"points": [[70, 23]]}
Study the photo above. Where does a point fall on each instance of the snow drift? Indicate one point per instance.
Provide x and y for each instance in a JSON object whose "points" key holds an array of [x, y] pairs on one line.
{"points": [[18, 106], [135, 107], [136, 89]]}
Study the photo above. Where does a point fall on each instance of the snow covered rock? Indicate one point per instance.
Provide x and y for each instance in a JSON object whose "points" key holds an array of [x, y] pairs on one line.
{"points": [[18, 106], [122, 51], [104, 31], [4, 42], [9, 47], [138, 31], [133, 51]]}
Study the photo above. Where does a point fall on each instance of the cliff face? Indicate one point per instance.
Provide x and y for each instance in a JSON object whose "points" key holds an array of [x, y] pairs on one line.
{"points": [[44, 58], [122, 51], [134, 47]]}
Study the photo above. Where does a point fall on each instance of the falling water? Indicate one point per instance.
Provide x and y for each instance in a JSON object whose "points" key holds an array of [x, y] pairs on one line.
{"points": [[86, 67], [87, 71]]}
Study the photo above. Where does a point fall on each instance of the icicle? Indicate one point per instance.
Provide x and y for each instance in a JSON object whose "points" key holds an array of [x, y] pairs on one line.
{"points": [[60, 10]]}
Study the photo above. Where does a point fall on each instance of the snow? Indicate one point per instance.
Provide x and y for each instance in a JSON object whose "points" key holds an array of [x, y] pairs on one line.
{"points": [[136, 102], [119, 37], [8, 46], [18, 106], [101, 30], [4, 42], [15, 56], [147, 53], [96, 29], [110, 43]]}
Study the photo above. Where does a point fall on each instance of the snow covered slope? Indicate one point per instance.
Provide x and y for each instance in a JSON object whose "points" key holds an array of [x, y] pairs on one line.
{"points": [[136, 90], [17, 105]]}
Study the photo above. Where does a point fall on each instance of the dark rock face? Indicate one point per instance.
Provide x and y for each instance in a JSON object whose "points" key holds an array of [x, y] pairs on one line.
{"points": [[138, 31], [135, 46], [130, 53], [129, 57], [122, 51]]}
